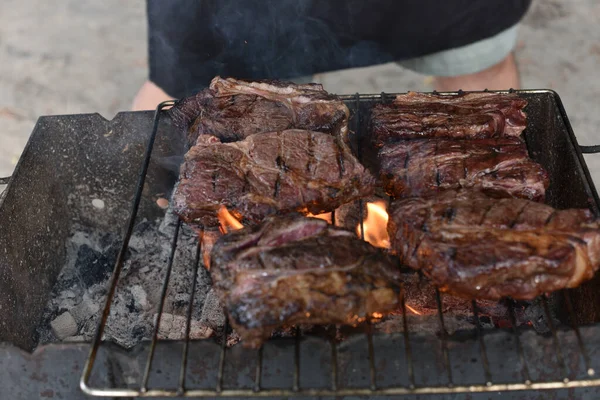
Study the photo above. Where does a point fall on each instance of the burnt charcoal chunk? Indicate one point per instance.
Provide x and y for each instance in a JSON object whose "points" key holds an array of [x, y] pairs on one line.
{"points": [[501, 167], [467, 116], [493, 248], [94, 266], [293, 170], [297, 270], [233, 109]]}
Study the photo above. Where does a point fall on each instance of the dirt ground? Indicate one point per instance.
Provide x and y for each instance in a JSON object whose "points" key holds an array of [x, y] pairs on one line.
{"points": [[81, 56]]}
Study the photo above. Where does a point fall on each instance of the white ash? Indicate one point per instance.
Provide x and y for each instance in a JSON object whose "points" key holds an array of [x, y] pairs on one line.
{"points": [[82, 286], [64, 325]]}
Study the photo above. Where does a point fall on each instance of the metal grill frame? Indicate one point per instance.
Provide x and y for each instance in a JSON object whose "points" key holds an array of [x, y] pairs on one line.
{"points": [[372, 390]]}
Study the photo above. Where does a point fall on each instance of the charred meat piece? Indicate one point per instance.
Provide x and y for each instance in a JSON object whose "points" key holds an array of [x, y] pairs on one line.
{"points": [[472, 115], [475, 246], [296, 270], [293, 170], [499, 166], [232, 109]]}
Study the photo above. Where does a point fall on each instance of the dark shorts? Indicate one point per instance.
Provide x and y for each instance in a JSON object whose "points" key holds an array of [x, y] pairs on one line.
{"points": [[191, 41]]}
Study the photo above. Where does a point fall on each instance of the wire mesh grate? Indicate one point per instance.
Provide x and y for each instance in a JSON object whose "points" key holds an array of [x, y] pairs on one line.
{"points": [[333, 389]]}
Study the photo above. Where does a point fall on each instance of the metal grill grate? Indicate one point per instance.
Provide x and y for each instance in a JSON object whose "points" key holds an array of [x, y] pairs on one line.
{"points": [[333, 389]]}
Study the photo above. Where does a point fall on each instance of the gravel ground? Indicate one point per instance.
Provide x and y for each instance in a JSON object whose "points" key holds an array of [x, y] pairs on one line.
{"points": [[80, 56]]}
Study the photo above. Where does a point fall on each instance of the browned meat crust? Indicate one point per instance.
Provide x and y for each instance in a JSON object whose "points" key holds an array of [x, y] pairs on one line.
{"points": [[296, 270], [472, 115], [293, 170], [498, 166], [475, 246], [232, 109]]}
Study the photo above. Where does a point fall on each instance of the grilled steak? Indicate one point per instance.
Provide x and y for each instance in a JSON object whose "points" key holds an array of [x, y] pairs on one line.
{"points": [[498, 166], [232, 109], [292, 170], [297, 270], [479, 247], [472, 115]]}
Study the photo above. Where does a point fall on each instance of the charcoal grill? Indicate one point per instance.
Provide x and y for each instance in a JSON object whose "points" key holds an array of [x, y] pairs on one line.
{"points": [[572, 349]]}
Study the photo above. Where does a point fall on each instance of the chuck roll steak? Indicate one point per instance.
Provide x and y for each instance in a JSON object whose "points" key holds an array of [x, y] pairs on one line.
{"points": [[292, 170], [233, 109], [467, 116], [498, 166], [476, 246], [296, 270]]}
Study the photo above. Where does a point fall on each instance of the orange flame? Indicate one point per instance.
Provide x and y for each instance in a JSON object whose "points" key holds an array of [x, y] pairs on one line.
{"points": [[412, 310], [375, 225], [228, 222], [325, 216], [208, 238]]}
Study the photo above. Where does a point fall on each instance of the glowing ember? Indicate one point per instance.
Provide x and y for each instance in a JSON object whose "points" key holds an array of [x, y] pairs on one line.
{"points": [[228, 222], [375, 225], [325, 216], [377, 315], [412, 310]]}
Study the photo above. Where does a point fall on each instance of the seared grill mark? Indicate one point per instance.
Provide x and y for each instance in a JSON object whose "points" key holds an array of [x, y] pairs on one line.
{"points": [[261, 262], [339, 155], [577, 240], [280, 163], [277, 185], [426, 220], [246, 182], [214, 178], [550, 217], [514, 222], [484, 216], [435, 163], [452, 251], [416, 249], [406, 160], [310, 146], [464, 160], [449, 214]]}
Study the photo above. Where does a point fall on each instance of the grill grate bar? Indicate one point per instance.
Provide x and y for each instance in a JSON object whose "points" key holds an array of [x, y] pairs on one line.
{"points": [[219, 387], [372, 373], [334, 363], [258, 370], [409, 360], [482, 349], [188, 322], [333, 343], [586, 358], [161, 304], [357, 124], [444, 339], [520, 352], [558, 348], [296, 385]]}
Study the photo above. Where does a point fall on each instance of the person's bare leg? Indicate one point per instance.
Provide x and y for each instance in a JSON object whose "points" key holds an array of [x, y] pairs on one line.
{"points": [[148, 97], [501, 76]]}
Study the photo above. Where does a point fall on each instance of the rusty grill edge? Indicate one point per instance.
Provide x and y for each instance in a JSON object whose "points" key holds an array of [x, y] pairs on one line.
{"points": [[488, 385]]}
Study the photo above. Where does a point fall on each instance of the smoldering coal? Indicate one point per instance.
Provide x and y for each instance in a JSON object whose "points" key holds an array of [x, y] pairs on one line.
{"points": [[77, 299]]}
